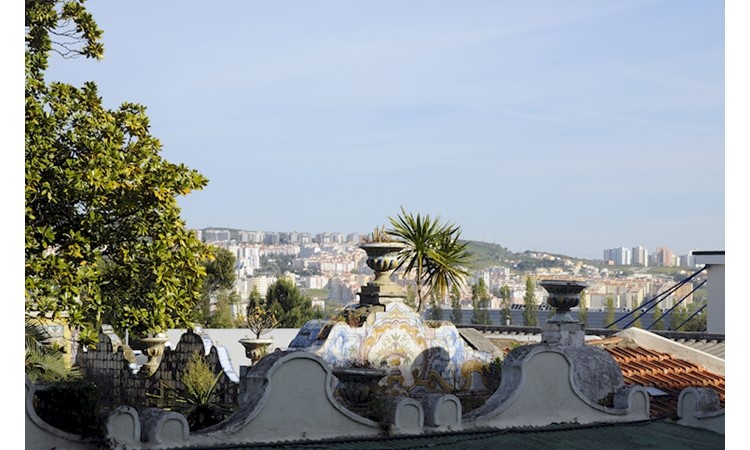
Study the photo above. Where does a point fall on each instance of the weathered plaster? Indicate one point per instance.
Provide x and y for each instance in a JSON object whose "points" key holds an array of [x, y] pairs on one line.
{"points": [[700, 408], [544, 384]]}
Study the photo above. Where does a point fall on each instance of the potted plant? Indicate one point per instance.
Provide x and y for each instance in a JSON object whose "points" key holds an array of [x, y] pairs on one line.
{"points": [[359, 380], [261, 321]]}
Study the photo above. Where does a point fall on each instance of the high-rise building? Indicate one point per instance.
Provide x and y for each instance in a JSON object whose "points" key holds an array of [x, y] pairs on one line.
{"points": [[619, 256], [639, 256], [664, 257]]}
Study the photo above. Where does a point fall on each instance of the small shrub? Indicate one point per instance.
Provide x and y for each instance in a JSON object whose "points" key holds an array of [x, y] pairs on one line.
{"points": [[492, 374], [71, 406], [196, 402]]}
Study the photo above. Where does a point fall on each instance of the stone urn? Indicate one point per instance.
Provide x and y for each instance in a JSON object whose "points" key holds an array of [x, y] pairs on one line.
{"points": [[153, 348], [255, 348], [358, 384], [563, 295], [382, 257]]}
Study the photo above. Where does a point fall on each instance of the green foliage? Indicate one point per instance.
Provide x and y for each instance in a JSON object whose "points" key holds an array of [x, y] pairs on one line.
{"points": [[45, 363], [609, 315], [492, 374], [222, 316], [677, 317], [260, 319], [457, 315], [217, 287], [219, 267], [485, 255], [529, 304], [198, 400], [698, 322], [72, 406], [436, 309], [104, 241], [637, 323], [505, 298], [583, 310], [432, 251], [656, 313], [276, 265], [480, 301], [289, 305]]}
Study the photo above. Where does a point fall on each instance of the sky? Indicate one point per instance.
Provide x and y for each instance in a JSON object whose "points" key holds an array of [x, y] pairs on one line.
{"points": [[567, 127]]}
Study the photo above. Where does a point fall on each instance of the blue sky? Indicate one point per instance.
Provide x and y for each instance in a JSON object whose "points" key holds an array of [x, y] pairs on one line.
{"points": [[565, 126]]}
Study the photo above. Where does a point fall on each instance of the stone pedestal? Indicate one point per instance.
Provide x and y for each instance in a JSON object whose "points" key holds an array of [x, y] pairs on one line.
{"points": [[563, 333]]}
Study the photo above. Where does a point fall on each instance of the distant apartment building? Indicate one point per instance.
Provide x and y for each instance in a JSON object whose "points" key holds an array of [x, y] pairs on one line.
{"points": [[261, 284], [247, 259], [625, 294], [639, 256], [324, 238], [619, 256], [314, 281], [216, 235], [287, 250], [342, 290], [664, 257]]}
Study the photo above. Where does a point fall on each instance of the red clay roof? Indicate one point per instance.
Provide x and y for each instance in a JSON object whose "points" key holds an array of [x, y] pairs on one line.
{"points": [[648, 368]]}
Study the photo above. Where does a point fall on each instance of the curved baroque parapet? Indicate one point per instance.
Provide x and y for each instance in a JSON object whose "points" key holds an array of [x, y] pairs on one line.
{"points": [[40, 434], [544, 384], [288, 396]]}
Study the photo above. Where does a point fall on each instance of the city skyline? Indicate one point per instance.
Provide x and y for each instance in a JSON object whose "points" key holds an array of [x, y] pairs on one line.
{"points": [[561, 128], [637, 255]]}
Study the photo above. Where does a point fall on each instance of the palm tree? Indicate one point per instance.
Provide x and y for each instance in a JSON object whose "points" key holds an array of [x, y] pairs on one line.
{"points": [[432, 251], [44, 363]]}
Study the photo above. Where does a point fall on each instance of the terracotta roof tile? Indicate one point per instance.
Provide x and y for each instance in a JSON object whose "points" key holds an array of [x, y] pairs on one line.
{"points": [[643, 367]]}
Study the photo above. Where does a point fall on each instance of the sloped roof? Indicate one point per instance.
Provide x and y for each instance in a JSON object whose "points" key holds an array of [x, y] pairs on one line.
{"points": [[648, 368], [633, 435], [713, 347]]}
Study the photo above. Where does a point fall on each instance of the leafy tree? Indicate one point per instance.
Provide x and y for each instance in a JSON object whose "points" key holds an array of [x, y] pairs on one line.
{"points": [[677, 317], [583, 310], [289, 305], [480, 301], [697, 322], [656, 313], [432, 250], [254, 299], [505, 294], [219, 269], [436, 309], [222, 316], [609, 315], [637, 323], [529, 304], [457, 316], [220, 277], [104, 239]]}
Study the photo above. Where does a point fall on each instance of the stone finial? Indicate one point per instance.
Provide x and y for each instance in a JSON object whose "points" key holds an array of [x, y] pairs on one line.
{"points": [[382, 257], [563, 329]]}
